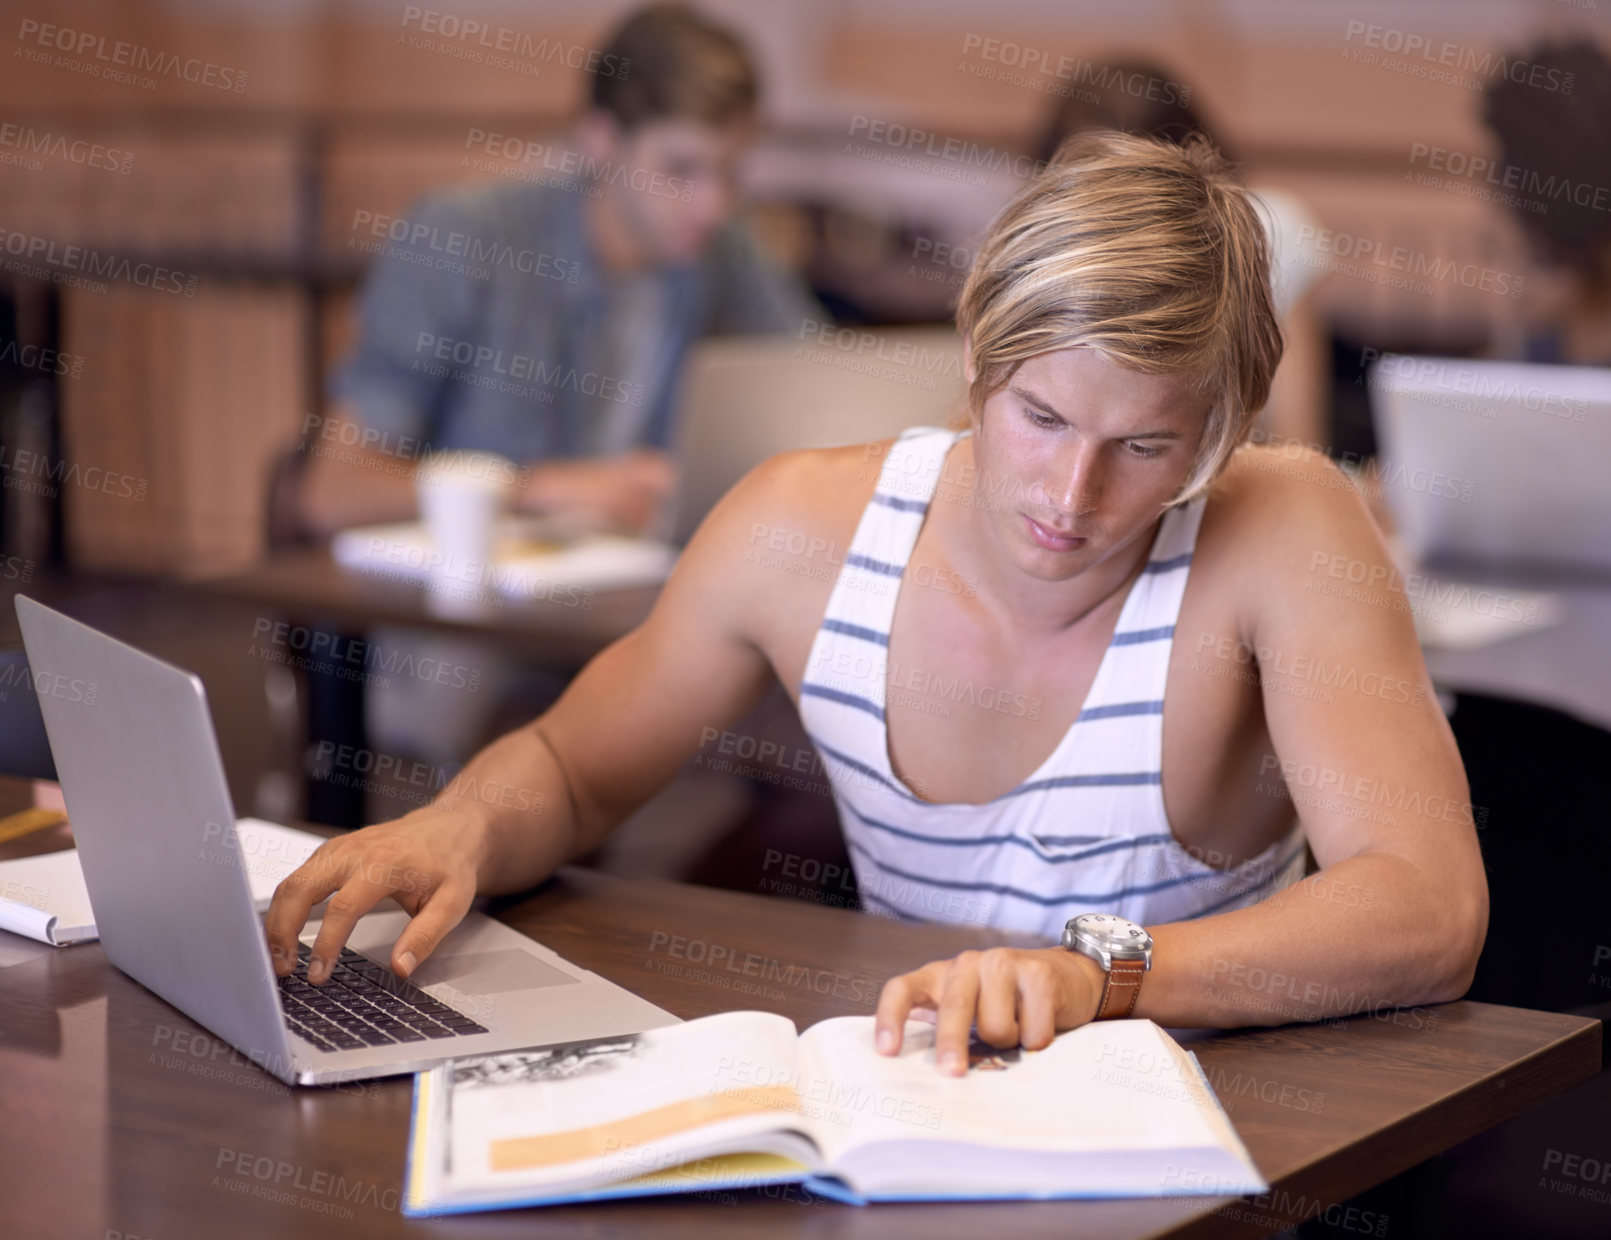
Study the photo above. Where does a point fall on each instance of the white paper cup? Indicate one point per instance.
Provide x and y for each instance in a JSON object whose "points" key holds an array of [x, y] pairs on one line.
{"points": [[461, 496]]}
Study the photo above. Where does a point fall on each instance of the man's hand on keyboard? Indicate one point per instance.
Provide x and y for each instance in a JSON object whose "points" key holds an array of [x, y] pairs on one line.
{"points": [[427, 861]]}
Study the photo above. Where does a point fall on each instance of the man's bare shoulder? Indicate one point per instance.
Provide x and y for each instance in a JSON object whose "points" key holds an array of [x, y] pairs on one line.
{"points": [[1278, 514], [815, 488], [808, 492], [775, 541], [1288, 477]]}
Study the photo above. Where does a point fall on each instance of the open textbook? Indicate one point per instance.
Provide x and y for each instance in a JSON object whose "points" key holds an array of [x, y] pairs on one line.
{"points": [[739, 1100], [43, 897]]}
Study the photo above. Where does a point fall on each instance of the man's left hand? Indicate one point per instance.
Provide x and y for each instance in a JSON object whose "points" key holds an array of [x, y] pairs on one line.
{"points": [[1015, 996]]}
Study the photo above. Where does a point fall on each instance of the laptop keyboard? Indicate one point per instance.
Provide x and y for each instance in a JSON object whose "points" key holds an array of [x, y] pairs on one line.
{"points": [[364, 1004]]}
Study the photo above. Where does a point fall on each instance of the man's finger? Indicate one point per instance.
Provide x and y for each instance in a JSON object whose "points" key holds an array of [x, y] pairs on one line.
{"points": [[356, 897], [958, 1001], [998, 1001], [441, 911], [293, 900], [895, 1002], [1037, 1007]]}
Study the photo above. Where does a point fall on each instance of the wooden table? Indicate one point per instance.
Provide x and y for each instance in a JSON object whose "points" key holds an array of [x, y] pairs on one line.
{"points": [[118, 1115], [309, 587], [309, 590]]}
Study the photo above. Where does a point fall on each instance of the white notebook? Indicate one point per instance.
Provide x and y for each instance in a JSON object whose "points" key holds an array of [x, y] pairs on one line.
{"points": [[529, 560], [44, 897]]}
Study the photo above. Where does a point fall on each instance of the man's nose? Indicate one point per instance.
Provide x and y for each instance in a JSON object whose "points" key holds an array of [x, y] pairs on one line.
{"points": [[1075, 486]]}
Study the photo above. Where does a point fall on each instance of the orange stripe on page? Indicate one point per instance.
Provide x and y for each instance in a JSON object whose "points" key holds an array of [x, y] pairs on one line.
{"points": [[522, 1153], [27, 821]]}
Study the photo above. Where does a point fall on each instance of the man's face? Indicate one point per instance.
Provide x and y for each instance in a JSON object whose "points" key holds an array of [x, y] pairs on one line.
{"points": [[678, 184], [1078, 457]]}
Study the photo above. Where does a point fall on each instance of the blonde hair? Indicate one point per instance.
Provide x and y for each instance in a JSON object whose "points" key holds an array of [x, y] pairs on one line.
{"points": [[1148, 252]]}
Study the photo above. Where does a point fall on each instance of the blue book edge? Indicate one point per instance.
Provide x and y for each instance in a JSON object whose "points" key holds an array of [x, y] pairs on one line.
{"points": [[415, 1205]]}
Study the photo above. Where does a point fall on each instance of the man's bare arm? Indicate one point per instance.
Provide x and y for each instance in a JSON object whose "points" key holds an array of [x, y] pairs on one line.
{"points": [[553, 789], [1398, 912], [347, 483]]}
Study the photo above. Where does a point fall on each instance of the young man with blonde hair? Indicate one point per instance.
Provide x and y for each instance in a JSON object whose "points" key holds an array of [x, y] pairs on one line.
{"points": [[1119, 553]]}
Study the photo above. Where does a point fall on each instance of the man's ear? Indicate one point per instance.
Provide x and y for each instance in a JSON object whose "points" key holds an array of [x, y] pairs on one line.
{"points": [[969, 373]]}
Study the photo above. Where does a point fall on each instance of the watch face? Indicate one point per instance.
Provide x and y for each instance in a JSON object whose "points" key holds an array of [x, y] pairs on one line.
{"points": [[1122, 938]]}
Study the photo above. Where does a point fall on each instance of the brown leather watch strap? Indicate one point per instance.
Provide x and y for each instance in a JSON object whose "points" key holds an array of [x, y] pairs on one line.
{"points": [[1122, 990]]}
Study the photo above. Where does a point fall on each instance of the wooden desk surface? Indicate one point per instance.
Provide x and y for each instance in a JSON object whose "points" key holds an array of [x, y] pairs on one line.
{"points": [[119, 1115], [310, 586]]}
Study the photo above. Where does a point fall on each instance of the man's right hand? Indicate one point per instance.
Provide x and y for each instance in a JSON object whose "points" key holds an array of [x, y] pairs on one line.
{"points": [[428, 861], [626, 492]]}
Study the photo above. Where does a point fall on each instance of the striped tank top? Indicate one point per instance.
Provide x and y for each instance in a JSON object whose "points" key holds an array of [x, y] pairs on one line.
{"points": [[1087, 831]]}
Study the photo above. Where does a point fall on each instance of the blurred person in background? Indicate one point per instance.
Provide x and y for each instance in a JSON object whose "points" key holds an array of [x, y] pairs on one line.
{"points": [[1146, 98], [563, 356], [634, 252], [1554, 174]]}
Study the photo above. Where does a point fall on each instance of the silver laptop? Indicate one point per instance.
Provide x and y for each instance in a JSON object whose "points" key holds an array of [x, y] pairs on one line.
{"points": [[138, 762], [745, 399], [1496, 463]]}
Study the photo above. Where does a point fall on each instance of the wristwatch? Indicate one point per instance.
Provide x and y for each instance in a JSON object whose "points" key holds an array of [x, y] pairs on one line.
{"points": [[1122, 948]]}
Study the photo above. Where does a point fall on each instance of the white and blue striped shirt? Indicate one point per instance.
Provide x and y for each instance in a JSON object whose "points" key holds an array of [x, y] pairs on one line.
{"points": [[1087, 831]]}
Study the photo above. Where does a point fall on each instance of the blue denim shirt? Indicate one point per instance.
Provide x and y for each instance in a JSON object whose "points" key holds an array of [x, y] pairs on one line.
{"points": [[482, 316]]}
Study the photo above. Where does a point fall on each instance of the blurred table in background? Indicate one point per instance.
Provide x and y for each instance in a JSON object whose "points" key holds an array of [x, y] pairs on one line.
{"points": [[309, 591], [310, 587], [1565, 665]]}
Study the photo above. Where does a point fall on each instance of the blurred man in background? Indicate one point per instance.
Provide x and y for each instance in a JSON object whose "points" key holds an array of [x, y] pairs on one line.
{"points": [[616, 262], [546, 320]]}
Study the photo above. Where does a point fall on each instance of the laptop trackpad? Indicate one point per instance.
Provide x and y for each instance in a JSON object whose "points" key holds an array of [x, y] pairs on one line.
{"points": [[490, 973]]}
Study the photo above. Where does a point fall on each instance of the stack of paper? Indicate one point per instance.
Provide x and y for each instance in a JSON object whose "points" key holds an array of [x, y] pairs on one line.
{"points": [[526, 563]]}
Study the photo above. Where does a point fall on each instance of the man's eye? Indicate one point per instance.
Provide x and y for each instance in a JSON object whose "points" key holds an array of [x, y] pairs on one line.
{"points": [[1142, 449]]}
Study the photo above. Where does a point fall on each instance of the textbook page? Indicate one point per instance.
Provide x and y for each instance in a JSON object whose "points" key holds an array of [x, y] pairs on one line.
{"points": [[1114, 1108], [525, 1126]]}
